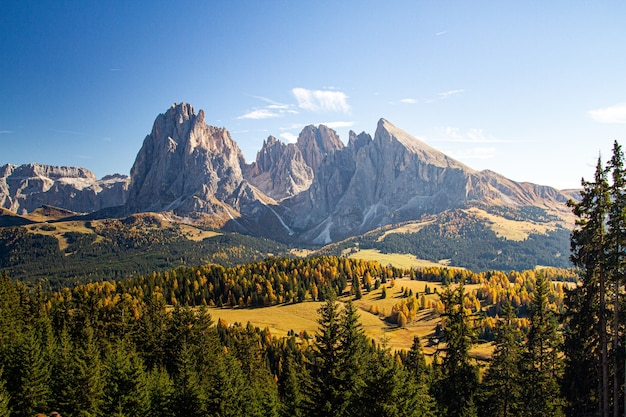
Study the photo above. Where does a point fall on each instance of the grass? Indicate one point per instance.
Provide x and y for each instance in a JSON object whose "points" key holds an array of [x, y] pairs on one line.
{"points": [[302, 317], [57, 230], [511, 229], [399, 260]]}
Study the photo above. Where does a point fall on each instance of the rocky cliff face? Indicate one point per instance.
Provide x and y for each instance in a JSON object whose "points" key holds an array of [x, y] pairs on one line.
{"points": [[317, 142], [316, 190], [280, 170], [25, 188], [192, 170], [395, 178]]}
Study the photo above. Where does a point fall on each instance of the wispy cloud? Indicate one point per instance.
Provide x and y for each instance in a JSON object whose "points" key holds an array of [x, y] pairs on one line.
{"points": [[450, 93], [611, 114], [289, 137], [443, 32], [321, 100], [5, 132], [259, 114], [408, 101], [338, 124], [274, 109]]}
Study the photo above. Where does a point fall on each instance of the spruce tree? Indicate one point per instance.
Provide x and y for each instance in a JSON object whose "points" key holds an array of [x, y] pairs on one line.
{"points": [[501, 388], [616, 248], [542, 364], [586, 345], [28, 375], [456, 387], [125, 389]]}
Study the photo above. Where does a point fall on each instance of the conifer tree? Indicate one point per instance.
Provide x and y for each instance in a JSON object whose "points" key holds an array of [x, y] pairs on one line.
{"points": [[616, 254], [456, 388], [188, 398], [5, 410], [29, 375], [161, 389], [542, 364], [501, 387], [586, 341], [125, 390]]}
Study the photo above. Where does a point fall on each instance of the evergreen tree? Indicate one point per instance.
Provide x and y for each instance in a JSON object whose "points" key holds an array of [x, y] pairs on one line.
{"points": [[29, 375], [616, 260], [501, 387], [125, 390], [542, 363], [292, 376], [456, 388], [5, 398], [162, 390], [586, 344], [337, 367], [188, 398]]}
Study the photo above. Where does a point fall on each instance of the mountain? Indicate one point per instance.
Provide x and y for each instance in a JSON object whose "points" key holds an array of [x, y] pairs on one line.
{"points": [[192, 170], [316, 190], [27, 187], [393, 178], [280, 170]]}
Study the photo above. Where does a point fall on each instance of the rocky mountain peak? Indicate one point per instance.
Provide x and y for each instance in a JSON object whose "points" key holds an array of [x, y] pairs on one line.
{"points": [[280, 170], [190, 169], [317, 142]]}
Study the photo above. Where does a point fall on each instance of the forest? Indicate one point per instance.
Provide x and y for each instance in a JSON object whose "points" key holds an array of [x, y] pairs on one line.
{"points": [[148, 346]]}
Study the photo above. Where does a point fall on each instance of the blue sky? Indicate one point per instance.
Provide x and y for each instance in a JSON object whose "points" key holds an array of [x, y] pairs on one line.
{"points": [[532, 90]]}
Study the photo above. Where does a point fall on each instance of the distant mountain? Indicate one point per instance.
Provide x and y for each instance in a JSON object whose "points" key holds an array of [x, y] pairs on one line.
{"points": [[317, 190], [395, 177], [25, 188]]}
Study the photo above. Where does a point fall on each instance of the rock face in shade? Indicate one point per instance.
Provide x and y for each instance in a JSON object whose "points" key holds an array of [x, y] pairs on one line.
{"points": [[280, 170], [192, 170], [25, 188]]}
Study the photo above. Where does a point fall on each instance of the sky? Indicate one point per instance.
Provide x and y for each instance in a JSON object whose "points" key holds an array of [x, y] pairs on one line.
{"points": [[535, 91]]}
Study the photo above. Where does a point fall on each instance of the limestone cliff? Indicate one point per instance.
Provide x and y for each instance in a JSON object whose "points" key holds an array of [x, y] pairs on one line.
{"points": [[25, 188]]}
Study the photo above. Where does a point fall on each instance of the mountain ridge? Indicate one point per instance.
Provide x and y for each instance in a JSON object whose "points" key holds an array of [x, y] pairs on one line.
{"points": [[317, 190]]}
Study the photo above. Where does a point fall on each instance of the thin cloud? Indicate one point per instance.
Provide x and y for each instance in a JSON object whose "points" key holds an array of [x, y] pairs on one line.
{"points": [[338, 124], [259, 114], [443, 32], [611, 114], [450, 93], [289, 137], [321, 100], [408, 101], [5, 132]]}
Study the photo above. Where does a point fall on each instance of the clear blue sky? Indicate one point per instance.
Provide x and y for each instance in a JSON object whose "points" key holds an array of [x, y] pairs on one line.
{"points": [[532, 90]]}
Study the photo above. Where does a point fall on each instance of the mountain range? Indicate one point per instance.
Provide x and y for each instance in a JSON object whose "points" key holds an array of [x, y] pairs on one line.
{"points": [[316, 190]]}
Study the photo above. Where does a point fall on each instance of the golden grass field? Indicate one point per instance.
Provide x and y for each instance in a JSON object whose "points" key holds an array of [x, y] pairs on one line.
{"points": [[303, 317]]}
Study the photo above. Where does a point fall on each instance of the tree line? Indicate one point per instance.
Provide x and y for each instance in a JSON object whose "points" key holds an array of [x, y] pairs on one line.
{"points": [[138, 347]]}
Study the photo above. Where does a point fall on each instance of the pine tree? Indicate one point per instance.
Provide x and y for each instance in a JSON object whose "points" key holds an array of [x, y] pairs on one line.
{"points": [[501, 388], [587, 366], [161, 389], [5, 398], [29, 375], [188, 398], [456, 388], [125, 390], [542, 363], [616, 260]]}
